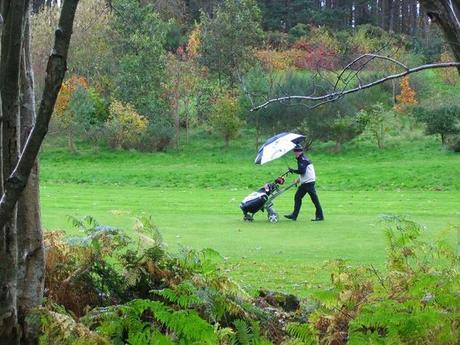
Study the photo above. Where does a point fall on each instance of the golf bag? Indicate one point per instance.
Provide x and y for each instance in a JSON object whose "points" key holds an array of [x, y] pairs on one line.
{"points": [[260, 200]]}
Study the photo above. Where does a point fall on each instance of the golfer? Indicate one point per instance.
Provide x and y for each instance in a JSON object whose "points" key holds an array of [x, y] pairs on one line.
{"points": [[307, 185]]}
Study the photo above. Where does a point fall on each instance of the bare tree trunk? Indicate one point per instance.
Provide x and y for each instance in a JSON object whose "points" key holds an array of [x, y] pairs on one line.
{"points": [[187, 120], [387, 15], [11, 42], [187, 128], [177, 124], [446, 13], [56, 69], [31, 259], [71, 142], [405, 19], [17, 168]]}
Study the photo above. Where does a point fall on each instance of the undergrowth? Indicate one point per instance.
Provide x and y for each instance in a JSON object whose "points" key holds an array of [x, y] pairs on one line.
{"points": [[108, 288]]}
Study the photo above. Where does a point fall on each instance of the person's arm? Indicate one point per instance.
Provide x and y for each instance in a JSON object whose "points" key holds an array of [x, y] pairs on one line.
{"points": [[301, 166]]}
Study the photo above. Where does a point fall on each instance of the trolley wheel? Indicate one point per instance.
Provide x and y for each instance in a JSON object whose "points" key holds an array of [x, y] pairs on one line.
{"points": [[248, 218], [273, 217]]}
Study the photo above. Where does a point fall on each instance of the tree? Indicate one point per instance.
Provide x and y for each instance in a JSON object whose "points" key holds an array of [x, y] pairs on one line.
{"points": [[226, 118], [443, 120], [67, 108], [377, 121], [90, 54], [21, 252], [183, 73], [446, 74], [407, 96], [140, 57], [345, 128], [228, 38], [446, 13], [124, 126]]}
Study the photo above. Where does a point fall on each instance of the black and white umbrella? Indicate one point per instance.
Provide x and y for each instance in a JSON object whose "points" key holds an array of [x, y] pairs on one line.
{"points": [[277, 146]]}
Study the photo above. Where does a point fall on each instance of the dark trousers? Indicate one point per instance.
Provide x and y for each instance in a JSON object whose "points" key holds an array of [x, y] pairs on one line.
{"points": [[303, 189]]}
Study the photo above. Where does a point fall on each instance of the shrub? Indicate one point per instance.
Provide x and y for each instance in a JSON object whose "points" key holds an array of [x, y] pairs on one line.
{"points": [[344, 128], [79, 111], [443, 120], [101, 112], [157, 137], [125, 126], [277, 40], [139, 292], [74, 109], [377, 122], [225, 118], [413, 301], [300, 30], [278, 60], [320, 51], [453, 142], [448, 75], [407, 96]]}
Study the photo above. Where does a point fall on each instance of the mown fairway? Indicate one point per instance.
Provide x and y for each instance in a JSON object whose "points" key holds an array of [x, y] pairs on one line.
{"points": [[193, 197]]}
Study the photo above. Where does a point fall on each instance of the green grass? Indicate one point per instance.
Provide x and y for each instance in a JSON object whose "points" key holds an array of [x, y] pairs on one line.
{"points": [[420, 164], [193, 195]]}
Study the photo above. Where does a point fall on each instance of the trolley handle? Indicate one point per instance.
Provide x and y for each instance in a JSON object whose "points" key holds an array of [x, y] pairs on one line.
{"points": [[286, 173]]}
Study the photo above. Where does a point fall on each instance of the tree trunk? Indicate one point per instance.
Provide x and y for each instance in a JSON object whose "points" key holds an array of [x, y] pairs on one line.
{"points": [[338, 146], [405, 19], [187, 126], [16, 168], [71, 142], [177, 125], [387, 15], [395, 19], [413, 18], [31, 259], [11, 42], [446, 13]]}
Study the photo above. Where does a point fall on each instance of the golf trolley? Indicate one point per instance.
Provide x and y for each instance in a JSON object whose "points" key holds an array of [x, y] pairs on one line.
{"points": [[262, 199]]}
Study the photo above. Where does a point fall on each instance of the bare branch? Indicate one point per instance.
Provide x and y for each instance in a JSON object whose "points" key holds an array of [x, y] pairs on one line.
{"points": [[347, 67], [330, 97]]}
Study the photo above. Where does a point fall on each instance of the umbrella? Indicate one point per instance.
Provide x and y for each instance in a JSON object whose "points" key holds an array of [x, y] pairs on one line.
{"points": [[277, 146]]}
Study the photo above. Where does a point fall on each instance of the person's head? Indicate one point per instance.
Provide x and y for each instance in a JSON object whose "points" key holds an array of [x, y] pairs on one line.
{"points": [[298, 150]]}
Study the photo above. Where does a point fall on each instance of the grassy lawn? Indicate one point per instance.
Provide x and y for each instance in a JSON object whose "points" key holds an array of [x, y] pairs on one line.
{"points": [[193, 196]]}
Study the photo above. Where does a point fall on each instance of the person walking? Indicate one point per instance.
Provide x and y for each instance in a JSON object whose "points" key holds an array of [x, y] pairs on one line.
{"points": [[307, 185]]}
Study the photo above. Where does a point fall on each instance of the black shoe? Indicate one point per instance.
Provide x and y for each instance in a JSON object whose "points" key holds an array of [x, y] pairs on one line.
{"points": [[290, 216], [317, 219]]}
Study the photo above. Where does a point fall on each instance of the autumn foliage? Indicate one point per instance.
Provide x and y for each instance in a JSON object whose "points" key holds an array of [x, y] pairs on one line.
{"points": [[320, 51], [193, 44], [125, 126], [407, 96], [316, 56], [448, 75], [67, 90], [277, 60]]}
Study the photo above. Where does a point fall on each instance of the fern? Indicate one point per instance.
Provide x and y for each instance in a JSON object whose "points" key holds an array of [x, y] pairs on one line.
{"points": [[247, 333], [143, 319], [303, 332], [184, 294], [62, 329], [148, 233]]}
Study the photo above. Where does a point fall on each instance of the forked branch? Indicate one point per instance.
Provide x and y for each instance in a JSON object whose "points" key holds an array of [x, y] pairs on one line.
{"points": [[335, 95]]}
